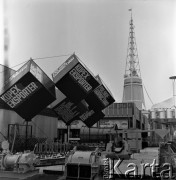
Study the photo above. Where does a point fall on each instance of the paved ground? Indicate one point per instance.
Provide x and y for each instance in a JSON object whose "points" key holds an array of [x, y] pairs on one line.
{"points": [[138, 160]]}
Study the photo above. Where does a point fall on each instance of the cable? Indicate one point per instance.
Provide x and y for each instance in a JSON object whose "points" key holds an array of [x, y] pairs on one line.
{"points": [[51, 57], [13, 66], [148, 95], [48, 57], [18, 64]]}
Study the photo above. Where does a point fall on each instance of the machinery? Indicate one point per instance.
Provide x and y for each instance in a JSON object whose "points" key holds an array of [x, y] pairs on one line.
{"points": [[118, 146], [82, 164], [89, 164], [20, 165]]}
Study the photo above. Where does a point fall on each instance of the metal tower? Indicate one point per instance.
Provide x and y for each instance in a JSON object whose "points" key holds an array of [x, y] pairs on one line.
{"points": [[133, 89]]}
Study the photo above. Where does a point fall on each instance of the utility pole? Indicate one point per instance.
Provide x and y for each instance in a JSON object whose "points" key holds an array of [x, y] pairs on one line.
{"points": [[171, 126], [174, 95]]}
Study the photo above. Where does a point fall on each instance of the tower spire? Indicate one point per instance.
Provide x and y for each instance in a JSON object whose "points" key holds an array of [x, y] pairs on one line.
{"points": [[133, 88], [132, 60]]}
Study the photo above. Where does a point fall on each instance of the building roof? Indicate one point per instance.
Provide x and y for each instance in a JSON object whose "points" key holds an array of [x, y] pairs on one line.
{"points": [[168, 103]]}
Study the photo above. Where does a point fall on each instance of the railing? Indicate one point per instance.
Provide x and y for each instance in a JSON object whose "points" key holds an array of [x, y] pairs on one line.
{"points": [[99, 145], [62, 148], [52, 148]]}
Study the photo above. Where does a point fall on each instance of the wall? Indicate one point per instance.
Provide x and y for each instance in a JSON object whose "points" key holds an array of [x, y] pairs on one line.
{"points": [[42, 126]]}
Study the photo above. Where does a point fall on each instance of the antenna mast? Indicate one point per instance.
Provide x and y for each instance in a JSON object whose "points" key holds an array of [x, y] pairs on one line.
{"points": [[132, 60], [133, 89]]}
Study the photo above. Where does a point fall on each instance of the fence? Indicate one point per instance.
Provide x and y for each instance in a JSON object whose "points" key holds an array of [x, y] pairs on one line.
{"points": [[52, 148]]}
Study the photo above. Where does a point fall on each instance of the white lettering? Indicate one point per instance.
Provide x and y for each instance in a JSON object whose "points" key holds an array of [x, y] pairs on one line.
{"points": [[15, 95], [67, 111], [12, 92], [80, 78], [102, 95], [82, 71], [134, 170], [55, 73], [86, 115]]}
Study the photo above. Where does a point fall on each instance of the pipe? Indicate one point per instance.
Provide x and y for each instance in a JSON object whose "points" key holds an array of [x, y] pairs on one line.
{"points": [[14, 138]]}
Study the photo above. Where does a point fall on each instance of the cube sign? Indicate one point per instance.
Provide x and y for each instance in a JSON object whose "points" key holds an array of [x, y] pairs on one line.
{"points": [[100, 98], [74, 80], [66, 109], [91, 117], [28, 91]]}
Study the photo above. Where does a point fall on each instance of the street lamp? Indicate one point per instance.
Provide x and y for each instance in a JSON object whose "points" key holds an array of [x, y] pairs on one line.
{"points": [[173, 79], [172, 126]]}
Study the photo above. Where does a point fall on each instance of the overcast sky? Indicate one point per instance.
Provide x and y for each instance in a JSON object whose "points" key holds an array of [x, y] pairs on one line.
{"points": [[97, 31]]}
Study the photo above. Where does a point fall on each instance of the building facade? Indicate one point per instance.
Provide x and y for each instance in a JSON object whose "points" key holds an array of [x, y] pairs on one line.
{"points": [[126, 117], [162, 121]]}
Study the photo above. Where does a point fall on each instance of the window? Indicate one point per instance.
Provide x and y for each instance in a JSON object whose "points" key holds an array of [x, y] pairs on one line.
{"points": [[75, 133]]}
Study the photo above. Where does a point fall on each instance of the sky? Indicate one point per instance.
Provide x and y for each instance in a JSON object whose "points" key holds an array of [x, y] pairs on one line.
{"points": [[97, 31]]}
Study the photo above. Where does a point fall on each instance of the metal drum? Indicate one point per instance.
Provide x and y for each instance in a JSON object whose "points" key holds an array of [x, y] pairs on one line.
{"points": [[10, 161], [169, 113], [153, 114], [174, 113], [161, 114]]}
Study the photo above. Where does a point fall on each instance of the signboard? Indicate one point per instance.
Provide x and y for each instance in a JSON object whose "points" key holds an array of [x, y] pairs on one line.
{"points": [[91, 117], [77, 124], [74, 80], [121, 124], [100, 98], [124, 125], [28, 91], [66, 109], [108, 123]]}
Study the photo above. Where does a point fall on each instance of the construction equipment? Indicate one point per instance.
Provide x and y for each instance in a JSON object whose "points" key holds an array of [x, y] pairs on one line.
{"points": [[88, 164], [19, 165], [82, 164], [118, 146]]}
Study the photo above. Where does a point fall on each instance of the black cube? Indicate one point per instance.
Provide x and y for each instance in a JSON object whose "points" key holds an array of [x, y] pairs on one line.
{"points": [[74, 80], [28, 91], [100, 97], [66, 109], [91, 117]]}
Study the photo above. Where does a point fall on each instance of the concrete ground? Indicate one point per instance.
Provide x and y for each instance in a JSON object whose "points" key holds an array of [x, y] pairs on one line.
{"points": [[139, 160]]}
